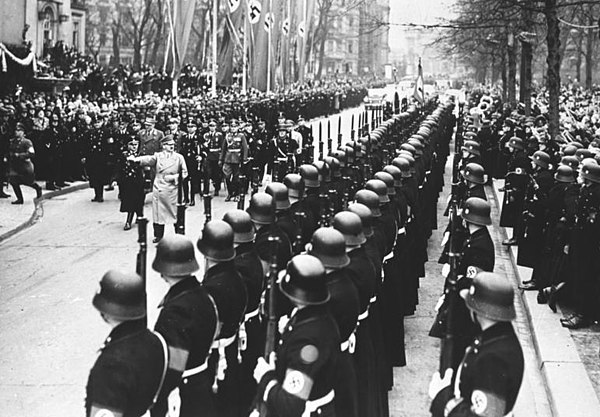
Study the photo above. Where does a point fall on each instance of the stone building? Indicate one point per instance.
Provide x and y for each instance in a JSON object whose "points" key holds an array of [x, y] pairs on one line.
{"points": [[43, 23]]}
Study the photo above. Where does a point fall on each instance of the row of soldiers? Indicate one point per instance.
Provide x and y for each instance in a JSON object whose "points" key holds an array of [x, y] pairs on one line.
{"points": [[551, 201], [64, 129], [301, 305]]}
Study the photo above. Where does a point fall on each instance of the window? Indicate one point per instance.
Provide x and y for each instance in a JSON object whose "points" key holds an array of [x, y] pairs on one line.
{"points": [[48, 24], [350, 47], [350, 22], [76, 35]]}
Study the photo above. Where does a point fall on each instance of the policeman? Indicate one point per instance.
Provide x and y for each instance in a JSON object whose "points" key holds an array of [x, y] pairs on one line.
{"points": [[328, 245], [130, 353], [212, 172], [491, 371], [301, 380], [310, 176], [188, 322], [228, 291], [474, 177], [247, 263]]}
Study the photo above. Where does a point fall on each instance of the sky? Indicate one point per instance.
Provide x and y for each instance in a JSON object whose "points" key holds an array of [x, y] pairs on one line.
{"points": [[415, 11]]}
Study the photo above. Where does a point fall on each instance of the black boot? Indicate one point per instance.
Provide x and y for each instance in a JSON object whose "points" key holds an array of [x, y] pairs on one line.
{"points": [[18, 193], [128, 221], [99, 194], [38, 190], [159, 232]]}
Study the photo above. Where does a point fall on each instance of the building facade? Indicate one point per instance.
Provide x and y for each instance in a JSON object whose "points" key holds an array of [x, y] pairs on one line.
{"points": [[341, 45], [374, 48], [43, 23]]}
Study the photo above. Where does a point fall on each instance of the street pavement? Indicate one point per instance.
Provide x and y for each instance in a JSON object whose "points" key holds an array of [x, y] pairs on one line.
{"points": [[51, 333]]}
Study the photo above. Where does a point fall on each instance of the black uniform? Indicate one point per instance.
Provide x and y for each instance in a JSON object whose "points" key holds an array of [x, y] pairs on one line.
{"points": [[309, 351], [188, 321], [128, 372], [489, 376], [96, 154], [130, 178], [212, 172]]}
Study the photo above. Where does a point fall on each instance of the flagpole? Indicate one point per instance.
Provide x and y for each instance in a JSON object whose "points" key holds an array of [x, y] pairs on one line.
{"points": [[269, 47], [303, 48], [245, 52], [214, 48]]}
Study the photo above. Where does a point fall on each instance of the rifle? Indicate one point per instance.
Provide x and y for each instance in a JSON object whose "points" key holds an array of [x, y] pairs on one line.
{"points": [[180, 224], [255, 179], [320, 142], [261, 407], [207, 208], [243, 190], [329, 140], [140, 266], [298, 219], [323, 209], [339, 141]]}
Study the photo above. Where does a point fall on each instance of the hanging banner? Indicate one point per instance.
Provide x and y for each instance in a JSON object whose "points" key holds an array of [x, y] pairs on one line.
{"points": [[285, 27], [254, 8], [227, 44], [268, 22], [233, 5]]}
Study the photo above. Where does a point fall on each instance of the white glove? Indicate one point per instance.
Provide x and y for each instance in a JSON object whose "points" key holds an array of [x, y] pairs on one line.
{"points": [[440, 302], [437, 384], [262, 366], [445, 239], [282, 324], [445, 270]]}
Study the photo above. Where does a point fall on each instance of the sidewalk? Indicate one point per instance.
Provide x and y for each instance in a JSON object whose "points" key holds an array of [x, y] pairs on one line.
{"points": [[568, 360], [16, 217]]}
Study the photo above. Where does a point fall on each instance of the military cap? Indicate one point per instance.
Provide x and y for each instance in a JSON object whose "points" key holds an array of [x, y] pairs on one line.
{"points": [[175, 256], [310, 175], [350, 225], [241, 224], [565, 173], [471, 146], [474, 173]]}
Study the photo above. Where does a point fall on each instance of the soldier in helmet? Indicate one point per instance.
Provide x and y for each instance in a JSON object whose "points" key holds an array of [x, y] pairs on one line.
{"points": [[262, 213], [491, 370], [301, 380], [477, 254], [584, 249], [328, 245], [248, 264], [228, 291], [305, 222], [363, 275], [188, 322], [131, 368], [283, 214]]}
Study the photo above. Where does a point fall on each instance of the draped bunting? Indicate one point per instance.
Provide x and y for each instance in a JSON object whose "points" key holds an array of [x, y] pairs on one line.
{"points": [[28, 60]]}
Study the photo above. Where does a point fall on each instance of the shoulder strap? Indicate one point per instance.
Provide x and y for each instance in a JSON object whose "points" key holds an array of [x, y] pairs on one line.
{"points": [[165, 350]]}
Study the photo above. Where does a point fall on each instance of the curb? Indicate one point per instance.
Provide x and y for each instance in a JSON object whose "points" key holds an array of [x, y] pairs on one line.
{"points": [[568, 384], [38, 210]]}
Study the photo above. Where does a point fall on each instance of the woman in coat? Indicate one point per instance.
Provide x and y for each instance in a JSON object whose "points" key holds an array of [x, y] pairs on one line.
{"points": [[167, 164]]}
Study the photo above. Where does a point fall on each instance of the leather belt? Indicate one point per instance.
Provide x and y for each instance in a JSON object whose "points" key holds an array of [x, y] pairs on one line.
{"points": [[194, 371], [251, 314], [364, 315], [313, 405]]}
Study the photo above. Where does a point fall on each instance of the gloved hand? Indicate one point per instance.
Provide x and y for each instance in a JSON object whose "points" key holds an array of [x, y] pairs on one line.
{"points": [[262, 366], [437, 384]]}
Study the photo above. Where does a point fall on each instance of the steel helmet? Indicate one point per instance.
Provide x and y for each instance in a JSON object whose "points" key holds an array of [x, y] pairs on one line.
{"points": [[216, 241], [474, 173], [564, 173], [366, 217], [279, 192], [380, 188], [175, 256], [329, 246], [262, 208], [477, 211], [491, 296], [388, 180], [241, 224], [349, 225], [310, 175], [304, 281], [369, 199], [294, 184], [121, 295]]}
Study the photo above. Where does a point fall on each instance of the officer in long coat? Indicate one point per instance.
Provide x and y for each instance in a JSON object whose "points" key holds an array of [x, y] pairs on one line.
{"points": [[168, 165], [150, 143], [96, 145], [301, 380], [131, 368], [491, 371]]}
